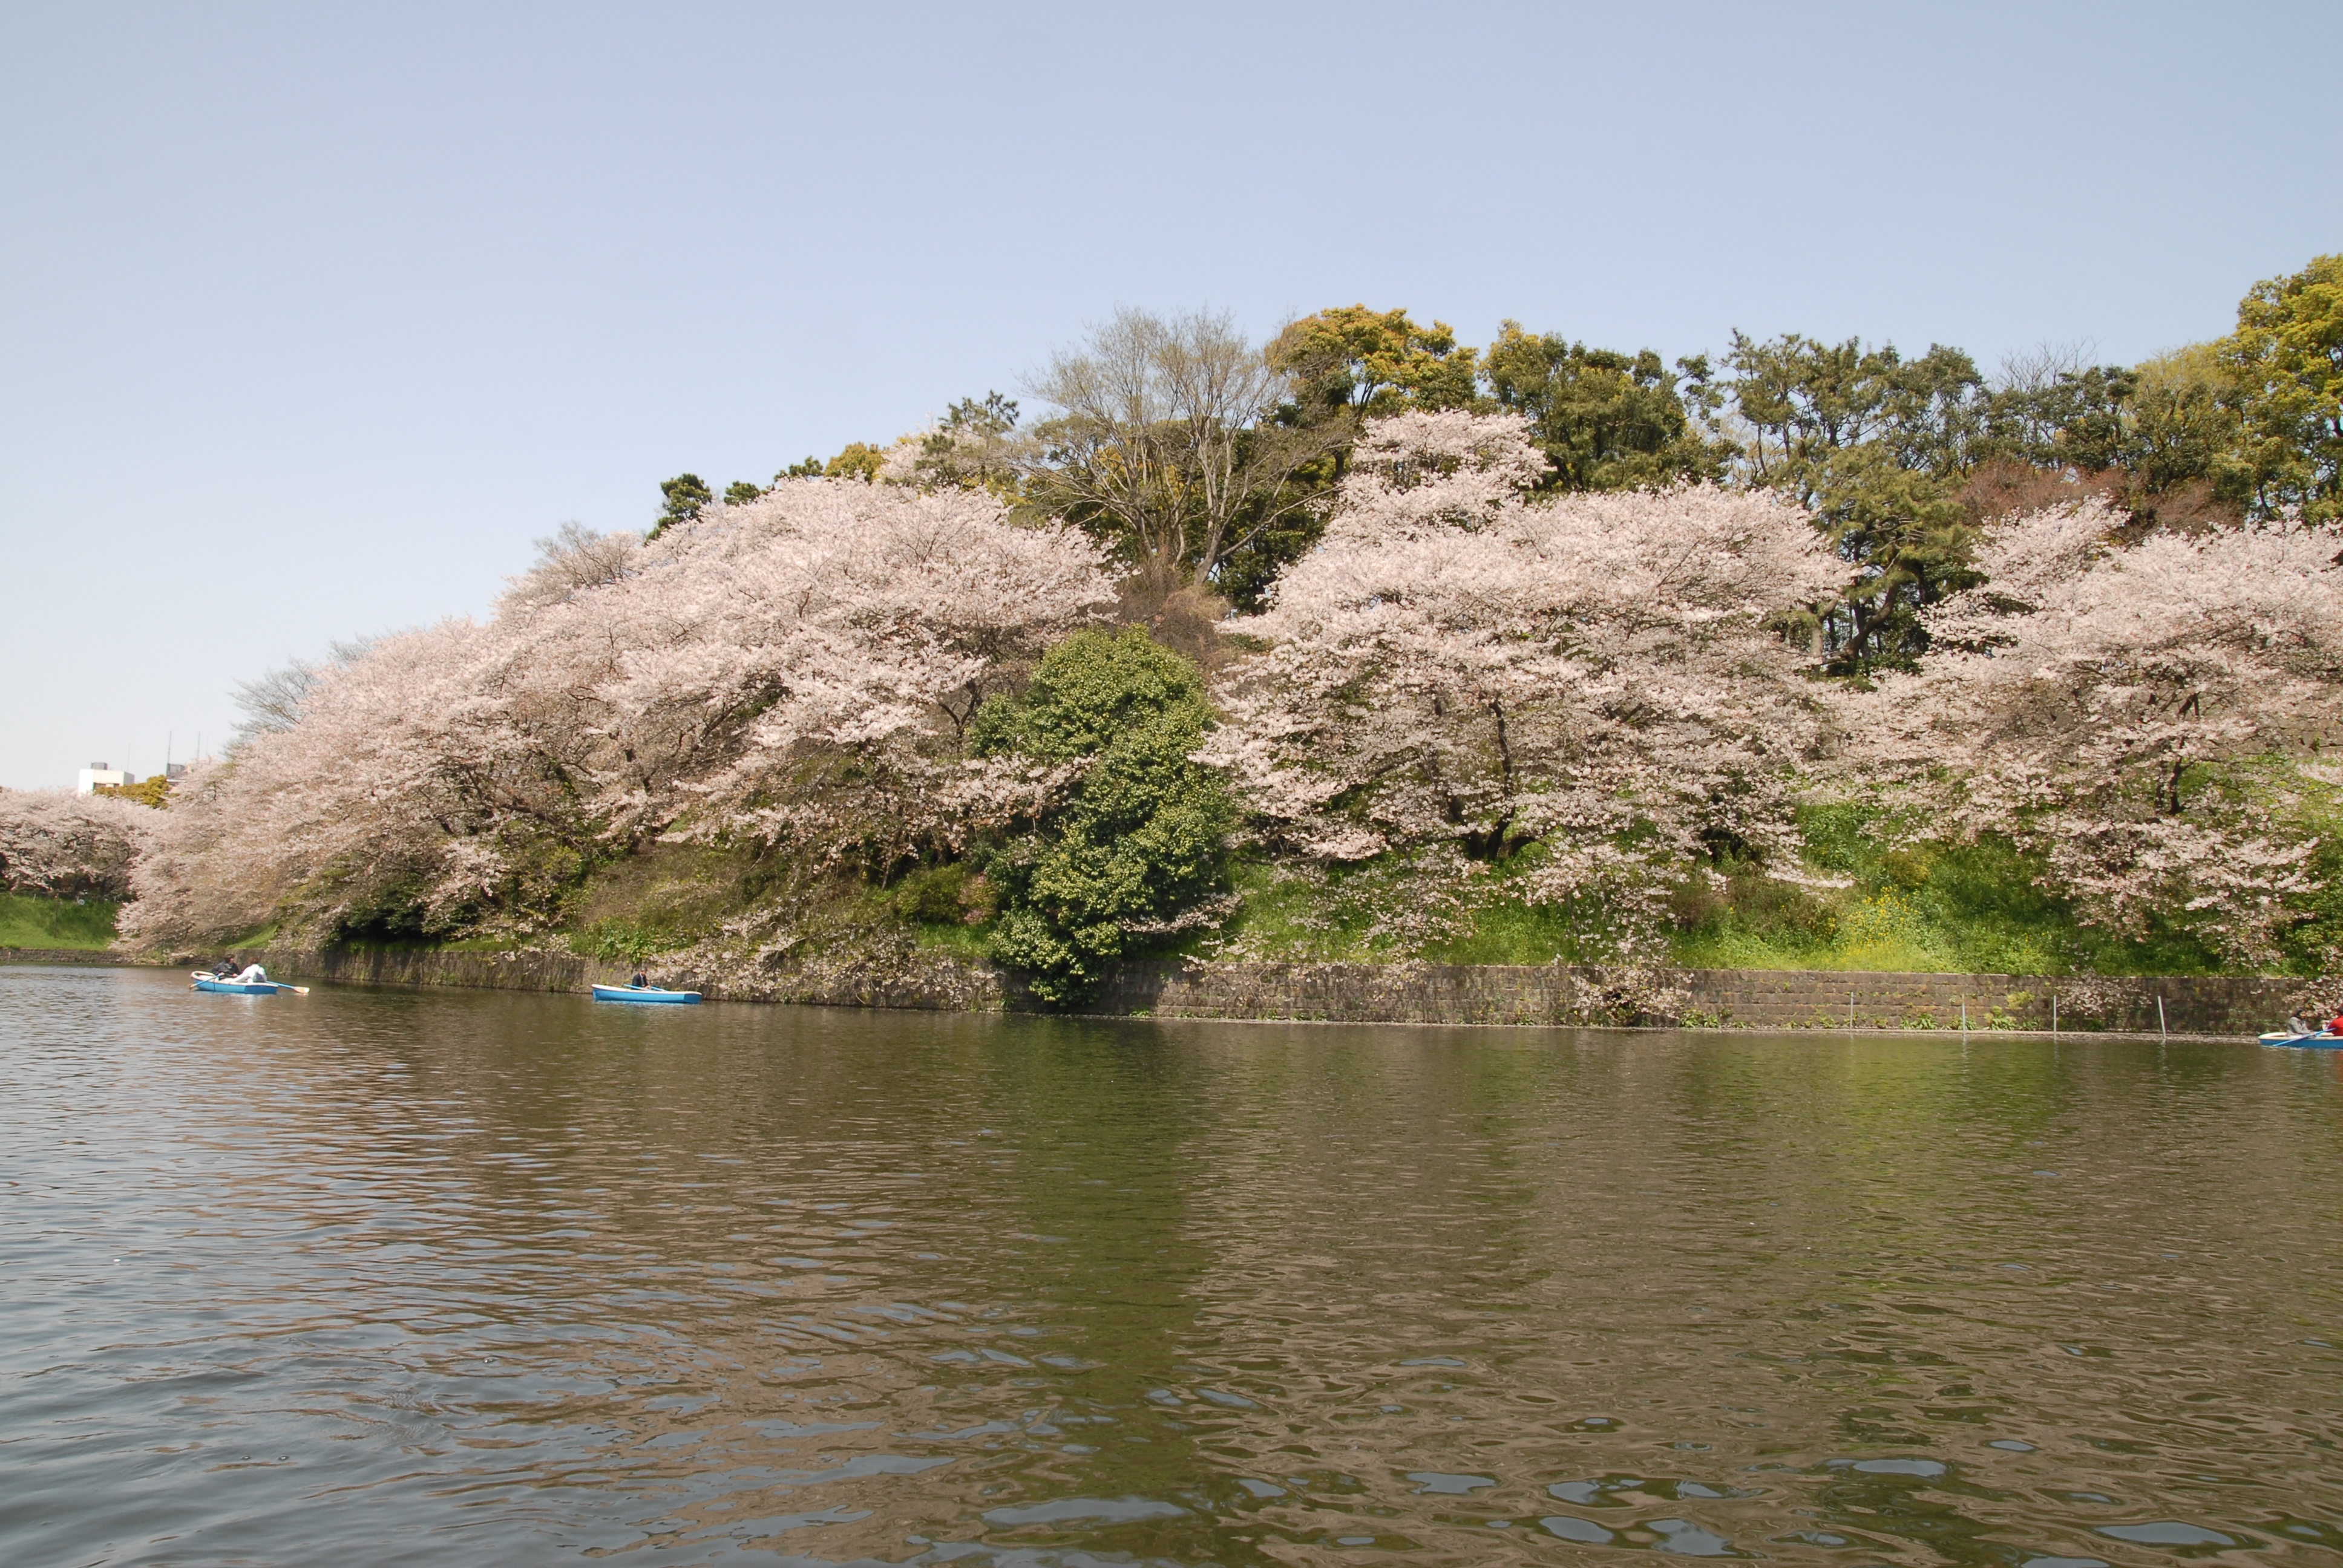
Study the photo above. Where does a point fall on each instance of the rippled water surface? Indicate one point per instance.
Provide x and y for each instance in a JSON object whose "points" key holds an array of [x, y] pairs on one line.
{"points": [[381, 1277]]}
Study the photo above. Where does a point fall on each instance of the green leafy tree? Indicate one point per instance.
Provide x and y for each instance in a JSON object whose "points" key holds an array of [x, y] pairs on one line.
{"points": [[683, 496], [1354, 363], [1137, 841], [1608, 421], [2285, 363], [975, 448], [740, 492], [993, 414], [860, 460], [2054, 413], [1876, 447], [2162, 422], [811, 468], [2251, 425], [155, 791], [2180, 428], [2157, 438]]}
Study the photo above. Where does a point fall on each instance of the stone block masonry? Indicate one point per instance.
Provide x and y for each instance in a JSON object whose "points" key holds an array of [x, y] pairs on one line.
{"points": [[1728, 999], [66, 956], [477, 971]]}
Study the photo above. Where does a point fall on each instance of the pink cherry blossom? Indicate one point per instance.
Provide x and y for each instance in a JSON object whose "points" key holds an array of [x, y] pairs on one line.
{"points": [[64, 846], [794, 669], [2149, 717], [1601, 674]]}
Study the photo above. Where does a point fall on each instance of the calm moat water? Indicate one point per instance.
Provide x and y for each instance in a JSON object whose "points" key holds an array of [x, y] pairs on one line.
{"points": [[453, 1278]]}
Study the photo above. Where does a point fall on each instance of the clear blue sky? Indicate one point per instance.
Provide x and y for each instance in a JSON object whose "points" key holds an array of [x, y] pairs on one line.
{"points": [[313, 317]]}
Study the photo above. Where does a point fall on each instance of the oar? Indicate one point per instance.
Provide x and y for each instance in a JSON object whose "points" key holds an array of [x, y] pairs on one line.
{"points": [[295, 990]]}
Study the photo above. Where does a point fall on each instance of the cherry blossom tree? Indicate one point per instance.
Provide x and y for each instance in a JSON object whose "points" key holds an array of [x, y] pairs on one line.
{"points": [[64, 846], [1600, 676], [195, 883], [2152, 718], [389, 798], [804, 667], [796, 669]]}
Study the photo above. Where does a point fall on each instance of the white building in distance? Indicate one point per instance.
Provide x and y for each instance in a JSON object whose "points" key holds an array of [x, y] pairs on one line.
{"points": [[88, 781]]}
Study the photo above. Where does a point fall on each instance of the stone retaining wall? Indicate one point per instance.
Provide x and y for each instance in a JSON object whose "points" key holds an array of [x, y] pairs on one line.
{"points": [[1531, 994], [1368, 993], [478, 971], [66, 956], [1759, 999], [2189, 1004]]}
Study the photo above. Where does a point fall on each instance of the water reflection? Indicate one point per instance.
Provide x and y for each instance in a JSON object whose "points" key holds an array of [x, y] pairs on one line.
{"points": [[392, 1276]]}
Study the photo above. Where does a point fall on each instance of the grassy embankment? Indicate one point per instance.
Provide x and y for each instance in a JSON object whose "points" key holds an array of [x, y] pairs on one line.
{"points": [[1928, 907], [26, 921], [1932, 908]]}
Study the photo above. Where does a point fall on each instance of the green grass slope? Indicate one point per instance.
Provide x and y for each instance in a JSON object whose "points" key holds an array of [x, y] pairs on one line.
{"points": [[1868, 905], [26, 921]]}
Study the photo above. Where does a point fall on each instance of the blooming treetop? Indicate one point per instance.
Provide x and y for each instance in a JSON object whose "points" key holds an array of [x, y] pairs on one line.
{"points": [[798, 666], [398, 761], [64, 846], [2140, 714], [824, 621], [1459, 664]]}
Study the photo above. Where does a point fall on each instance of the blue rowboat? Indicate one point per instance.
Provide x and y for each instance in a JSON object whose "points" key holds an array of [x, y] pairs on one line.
{"points": [[2319, 1040], [642, 993], [238, 988]]}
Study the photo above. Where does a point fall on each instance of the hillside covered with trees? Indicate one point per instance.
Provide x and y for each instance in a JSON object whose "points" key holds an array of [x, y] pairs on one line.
{"points": [[1367, 643]]}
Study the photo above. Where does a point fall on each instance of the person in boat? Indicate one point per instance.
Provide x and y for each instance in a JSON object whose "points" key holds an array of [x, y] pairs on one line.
{"points": [[2335, 1024], [638, 982], [253, 975], [224, 969]]}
